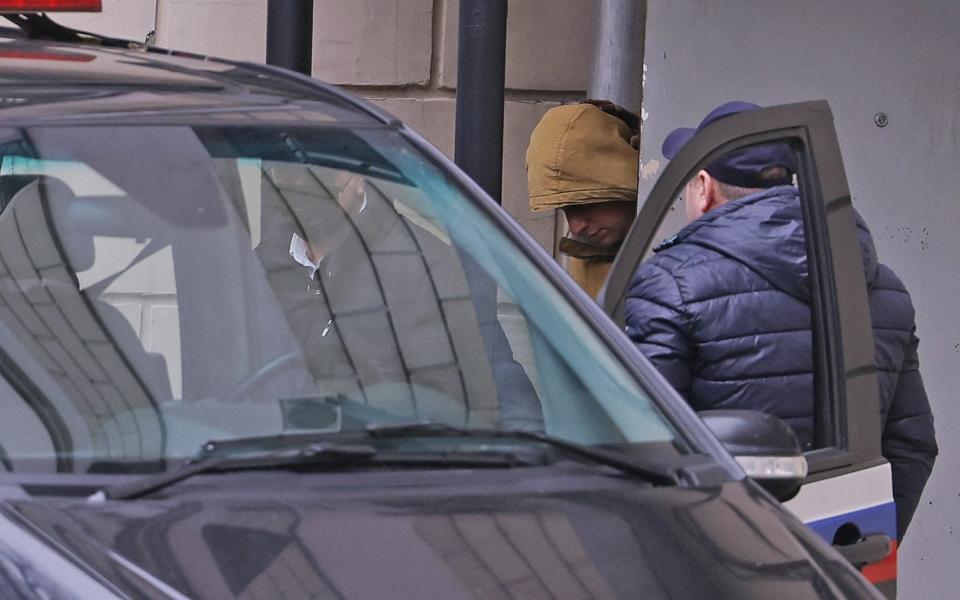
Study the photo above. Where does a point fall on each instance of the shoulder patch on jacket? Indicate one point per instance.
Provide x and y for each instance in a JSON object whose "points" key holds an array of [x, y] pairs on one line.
{"points": [[670, 241]]}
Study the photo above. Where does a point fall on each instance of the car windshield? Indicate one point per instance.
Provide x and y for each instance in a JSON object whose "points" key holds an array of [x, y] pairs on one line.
{"points": [[161, 286]]}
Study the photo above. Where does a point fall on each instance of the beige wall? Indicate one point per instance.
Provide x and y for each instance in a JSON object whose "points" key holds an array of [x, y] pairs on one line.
{"points": [[401, 54]]}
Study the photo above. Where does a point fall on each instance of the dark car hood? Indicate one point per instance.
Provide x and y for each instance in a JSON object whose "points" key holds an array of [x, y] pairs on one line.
{"points": [[533, 532]]}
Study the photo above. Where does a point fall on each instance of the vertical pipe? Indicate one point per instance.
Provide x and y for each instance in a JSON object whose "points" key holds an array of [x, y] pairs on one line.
{"points": [[290, 34], [480, 79], [618, 53]]}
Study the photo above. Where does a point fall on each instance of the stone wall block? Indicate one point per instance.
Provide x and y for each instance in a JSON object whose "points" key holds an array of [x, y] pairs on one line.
{"points": [[162, 336], [549, 44], [126, 19], [373, 42], [151, 277], [132, 313], [434, 119], [236, 29]]}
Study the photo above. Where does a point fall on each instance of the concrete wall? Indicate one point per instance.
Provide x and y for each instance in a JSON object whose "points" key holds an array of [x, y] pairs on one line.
{"points": [[864, 57], [401, 54]]}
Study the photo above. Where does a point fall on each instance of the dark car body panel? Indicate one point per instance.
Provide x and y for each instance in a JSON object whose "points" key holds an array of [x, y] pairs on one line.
{"points": [[459, 534]]}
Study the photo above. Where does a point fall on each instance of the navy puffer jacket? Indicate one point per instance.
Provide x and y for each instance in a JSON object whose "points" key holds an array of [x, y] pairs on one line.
{"points": [[723, 310]]}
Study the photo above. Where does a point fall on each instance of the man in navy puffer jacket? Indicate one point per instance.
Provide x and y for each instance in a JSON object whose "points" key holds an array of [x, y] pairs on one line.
{"points": [[723, 310]]}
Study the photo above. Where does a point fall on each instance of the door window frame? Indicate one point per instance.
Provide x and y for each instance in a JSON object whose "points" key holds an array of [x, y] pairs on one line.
{"points": [[847, 422]]}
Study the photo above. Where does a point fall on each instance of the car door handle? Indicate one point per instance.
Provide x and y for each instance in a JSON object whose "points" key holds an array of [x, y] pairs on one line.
{"points": [[871, 548]]}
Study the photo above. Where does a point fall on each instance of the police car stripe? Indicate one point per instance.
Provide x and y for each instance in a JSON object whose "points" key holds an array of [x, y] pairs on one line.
{"points": [[843, 494], [876, 519]]}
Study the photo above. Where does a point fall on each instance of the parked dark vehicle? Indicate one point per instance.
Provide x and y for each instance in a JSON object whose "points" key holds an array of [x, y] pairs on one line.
{"points": [[258, 339]]}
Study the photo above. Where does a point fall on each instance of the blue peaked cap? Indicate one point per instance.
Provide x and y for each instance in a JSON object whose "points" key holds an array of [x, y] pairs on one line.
{"points": [[740, 167]]}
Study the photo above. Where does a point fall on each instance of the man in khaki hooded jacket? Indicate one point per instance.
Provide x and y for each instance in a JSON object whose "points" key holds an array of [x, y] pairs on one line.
{"points": [[582, 158]]}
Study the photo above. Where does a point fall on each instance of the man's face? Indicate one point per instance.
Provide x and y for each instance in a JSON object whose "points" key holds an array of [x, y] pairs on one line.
{"points": [[601, 223]]}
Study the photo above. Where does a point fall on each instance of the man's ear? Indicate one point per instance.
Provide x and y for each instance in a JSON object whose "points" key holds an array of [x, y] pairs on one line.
{"points": [[711, 198], [704, 191]]}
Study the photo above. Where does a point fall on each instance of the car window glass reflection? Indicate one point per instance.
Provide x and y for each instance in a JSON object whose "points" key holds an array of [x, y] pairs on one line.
{"points": [[267, 281]]}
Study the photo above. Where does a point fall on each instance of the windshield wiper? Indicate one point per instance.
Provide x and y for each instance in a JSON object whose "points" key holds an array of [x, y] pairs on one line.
{"points": [[647, 470], [313, 454], [315, 449], [298, 454]]}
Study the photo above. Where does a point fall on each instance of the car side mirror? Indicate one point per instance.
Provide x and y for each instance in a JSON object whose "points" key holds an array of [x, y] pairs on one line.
{"points": [[765, 447]]}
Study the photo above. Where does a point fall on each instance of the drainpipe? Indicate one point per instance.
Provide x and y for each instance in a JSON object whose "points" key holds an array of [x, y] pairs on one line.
{"points": [[290, 34], [480, 79], [618, 53]]}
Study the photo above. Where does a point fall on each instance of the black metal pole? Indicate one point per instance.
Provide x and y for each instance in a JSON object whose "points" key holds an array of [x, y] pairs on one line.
{"points": [[480, 79], [290, 34]]}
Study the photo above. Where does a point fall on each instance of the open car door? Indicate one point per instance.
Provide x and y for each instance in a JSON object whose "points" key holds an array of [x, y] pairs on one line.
{"points": [[847, 497]]}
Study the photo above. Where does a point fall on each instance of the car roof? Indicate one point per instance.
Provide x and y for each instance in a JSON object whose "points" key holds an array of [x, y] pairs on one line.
{"points": [[48, 82]]}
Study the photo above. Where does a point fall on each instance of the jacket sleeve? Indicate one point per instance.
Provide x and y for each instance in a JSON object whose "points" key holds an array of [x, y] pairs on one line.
{"points": [[908, 438], [656, 322]]}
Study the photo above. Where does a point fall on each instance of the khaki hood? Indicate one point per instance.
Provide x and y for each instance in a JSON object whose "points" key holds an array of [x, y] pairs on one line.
{"points": [[579, 154]]}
